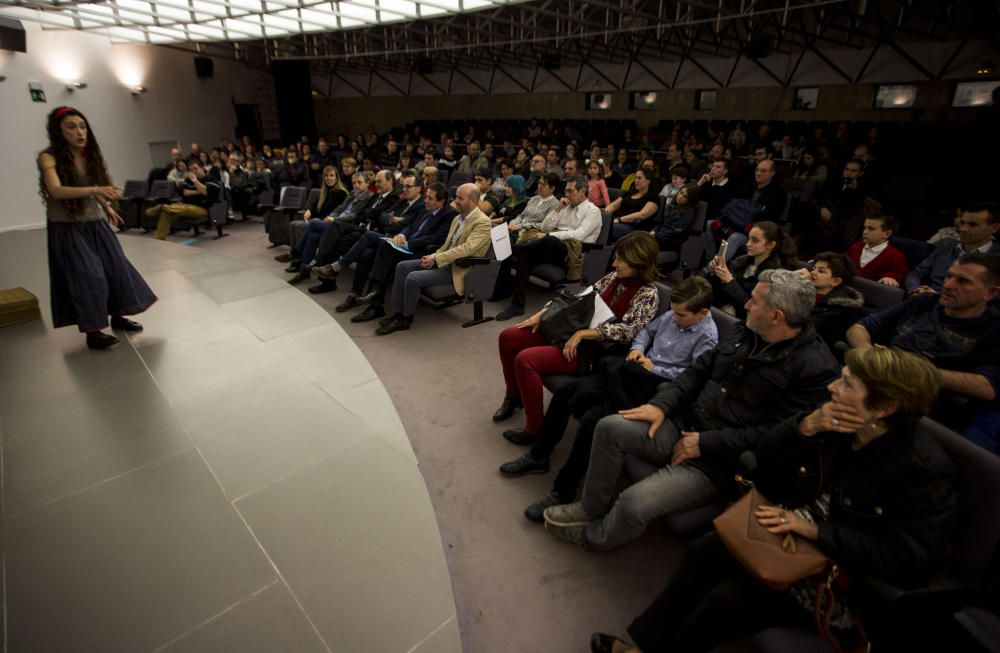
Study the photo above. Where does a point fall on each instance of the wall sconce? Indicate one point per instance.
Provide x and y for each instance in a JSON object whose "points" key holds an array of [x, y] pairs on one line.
{"points": [[136, 90], [72, 86]]}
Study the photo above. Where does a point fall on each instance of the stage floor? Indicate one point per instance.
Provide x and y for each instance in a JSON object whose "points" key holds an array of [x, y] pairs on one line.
{"points": [[233, 478]]}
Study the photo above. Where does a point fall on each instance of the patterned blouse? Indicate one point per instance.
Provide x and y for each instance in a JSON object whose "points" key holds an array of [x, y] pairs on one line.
{"points": [[536, 210], [640, 311]]}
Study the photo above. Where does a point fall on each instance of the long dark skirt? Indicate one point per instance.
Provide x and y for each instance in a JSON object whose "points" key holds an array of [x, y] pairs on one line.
{"points": [[90, 277]]}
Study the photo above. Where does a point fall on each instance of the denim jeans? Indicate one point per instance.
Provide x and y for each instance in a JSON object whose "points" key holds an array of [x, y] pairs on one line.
{"points": [[674, 488]]}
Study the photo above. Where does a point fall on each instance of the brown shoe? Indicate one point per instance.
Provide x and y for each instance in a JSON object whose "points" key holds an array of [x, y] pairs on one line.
{"points": [[347, 304]]}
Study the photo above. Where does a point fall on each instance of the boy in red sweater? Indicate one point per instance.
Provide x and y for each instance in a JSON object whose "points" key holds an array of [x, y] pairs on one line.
{"points": [[874, 257]]}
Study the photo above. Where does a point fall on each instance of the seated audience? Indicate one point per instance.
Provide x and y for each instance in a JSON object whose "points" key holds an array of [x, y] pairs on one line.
{"points": [[558, 241], [447, 162], [387, 223], [838, 305], [320, 217], [197, 195], [636, 210], [526, 356], [874, 258], [957, 329], [767, 201], [864, 447], [950, 231], [767, 249], [469, 235], [597, 191], [341, 234], [666, 347], [537, 172], [535, 211], [977, 232], [675, 226], [377, 255], [717, 189], [473, 162], [514, 201], [331, 195], [678, 179], [698, 423], [178, 173], [291, 172]]}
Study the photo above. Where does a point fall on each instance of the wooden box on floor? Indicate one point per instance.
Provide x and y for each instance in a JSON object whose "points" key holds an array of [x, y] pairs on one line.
{"points": [[17, 305]]}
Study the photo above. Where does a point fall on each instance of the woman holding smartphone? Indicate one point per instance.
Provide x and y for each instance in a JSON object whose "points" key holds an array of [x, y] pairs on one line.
{"points": [[732, 283]]}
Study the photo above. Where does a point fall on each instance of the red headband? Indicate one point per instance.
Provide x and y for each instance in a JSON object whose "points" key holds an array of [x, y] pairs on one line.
{"points": [[62, 111]]}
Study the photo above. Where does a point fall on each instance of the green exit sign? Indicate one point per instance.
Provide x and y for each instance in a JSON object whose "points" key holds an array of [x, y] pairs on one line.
{"points": [[36, 92]]}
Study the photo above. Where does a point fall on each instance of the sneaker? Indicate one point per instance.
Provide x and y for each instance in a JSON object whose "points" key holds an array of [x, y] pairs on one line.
{"points": [[509, 312], [535, 512], [568, 514], [326, 272], [525, 464], [574, 534]]}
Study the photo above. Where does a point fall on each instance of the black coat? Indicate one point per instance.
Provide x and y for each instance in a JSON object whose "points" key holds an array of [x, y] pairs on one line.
{"points": [[738, 291], [836, 313], [734, 393], [403, 209], [892, 503]]}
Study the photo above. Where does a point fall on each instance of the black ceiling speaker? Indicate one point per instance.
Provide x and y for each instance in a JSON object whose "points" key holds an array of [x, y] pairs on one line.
{"points": [[424, 65], [758, 47], [203, 67], [12, 35], [552, 61]]}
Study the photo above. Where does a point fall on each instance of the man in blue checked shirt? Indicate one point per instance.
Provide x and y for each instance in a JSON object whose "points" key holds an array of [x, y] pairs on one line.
{"points": [[664, 349]]}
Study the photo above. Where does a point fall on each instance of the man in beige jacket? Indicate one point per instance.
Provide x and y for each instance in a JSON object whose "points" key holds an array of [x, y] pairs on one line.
{"points": [[469, 235]]}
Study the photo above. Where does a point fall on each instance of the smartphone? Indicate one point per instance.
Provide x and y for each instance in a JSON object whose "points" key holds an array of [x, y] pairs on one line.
{"points": [[721, 255]]}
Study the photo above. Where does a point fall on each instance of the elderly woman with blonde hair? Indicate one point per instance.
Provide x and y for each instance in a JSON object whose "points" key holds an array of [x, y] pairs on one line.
{"points": [[856, 478]]}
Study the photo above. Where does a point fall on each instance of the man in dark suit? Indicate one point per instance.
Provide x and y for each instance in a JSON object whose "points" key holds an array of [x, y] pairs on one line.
{"points": [[341, 235], [422, 237]]}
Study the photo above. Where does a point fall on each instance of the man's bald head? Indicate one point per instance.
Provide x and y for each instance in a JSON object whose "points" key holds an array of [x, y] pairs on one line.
{"points": [[467, 198]]}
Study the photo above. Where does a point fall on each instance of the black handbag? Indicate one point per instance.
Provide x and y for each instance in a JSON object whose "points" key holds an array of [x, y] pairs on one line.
{"points": [[566, 315]]}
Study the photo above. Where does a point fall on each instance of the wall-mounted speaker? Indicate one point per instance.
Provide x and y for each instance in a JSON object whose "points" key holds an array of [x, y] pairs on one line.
{"points": [[203, 67], [12, 35]]}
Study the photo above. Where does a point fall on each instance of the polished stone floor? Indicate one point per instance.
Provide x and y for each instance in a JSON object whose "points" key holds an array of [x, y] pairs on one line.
{"points": [[234, 478]]}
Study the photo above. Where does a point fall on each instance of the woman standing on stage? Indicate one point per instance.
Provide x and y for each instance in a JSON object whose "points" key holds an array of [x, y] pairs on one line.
{"points": [[89, 274]]}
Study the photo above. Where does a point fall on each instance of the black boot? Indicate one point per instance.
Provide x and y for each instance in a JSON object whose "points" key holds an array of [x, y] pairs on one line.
{"points": [[507, 408]]}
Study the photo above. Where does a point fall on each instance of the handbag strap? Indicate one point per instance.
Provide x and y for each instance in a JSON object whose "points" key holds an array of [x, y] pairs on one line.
{"points": [[826, 605]]}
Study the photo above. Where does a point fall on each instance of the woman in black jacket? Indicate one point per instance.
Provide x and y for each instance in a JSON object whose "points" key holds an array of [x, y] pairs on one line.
{"points": [[876, 496], [733, 282]]}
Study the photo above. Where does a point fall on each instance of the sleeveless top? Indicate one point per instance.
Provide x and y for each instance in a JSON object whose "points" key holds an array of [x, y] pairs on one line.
{"points": [[92, 211]]}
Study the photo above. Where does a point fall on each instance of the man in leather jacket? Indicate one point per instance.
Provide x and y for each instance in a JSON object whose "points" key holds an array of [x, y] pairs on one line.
{"points": [[699, 423]]}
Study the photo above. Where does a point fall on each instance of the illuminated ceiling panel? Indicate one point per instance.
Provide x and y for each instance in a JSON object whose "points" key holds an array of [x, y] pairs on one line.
{"points": [[165, 21]]}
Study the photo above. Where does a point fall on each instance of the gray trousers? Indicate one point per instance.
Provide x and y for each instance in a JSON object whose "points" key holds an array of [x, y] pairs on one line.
{"points": [[670, 490], [296, 229], [409, 280]]}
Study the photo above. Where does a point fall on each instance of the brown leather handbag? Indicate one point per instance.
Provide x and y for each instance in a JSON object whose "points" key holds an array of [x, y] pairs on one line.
{"points": [[776, 560]]}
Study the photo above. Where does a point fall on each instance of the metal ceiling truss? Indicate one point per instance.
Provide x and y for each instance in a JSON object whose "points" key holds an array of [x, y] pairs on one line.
{"points": [[567, 40]]}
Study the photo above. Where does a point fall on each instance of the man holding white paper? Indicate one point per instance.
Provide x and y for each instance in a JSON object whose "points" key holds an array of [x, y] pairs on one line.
{"points": [[576, 221]]}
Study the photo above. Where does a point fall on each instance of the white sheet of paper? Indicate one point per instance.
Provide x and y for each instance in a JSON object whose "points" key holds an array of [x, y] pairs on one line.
{"points": [[501, 241], [602, 312]]}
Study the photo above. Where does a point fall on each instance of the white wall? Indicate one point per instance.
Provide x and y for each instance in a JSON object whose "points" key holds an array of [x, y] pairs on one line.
{"points": [[177, 106]]}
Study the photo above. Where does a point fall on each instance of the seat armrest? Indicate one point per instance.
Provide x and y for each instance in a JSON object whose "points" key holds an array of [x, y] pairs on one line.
{"points": [[589, 247], [469, 261]]}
